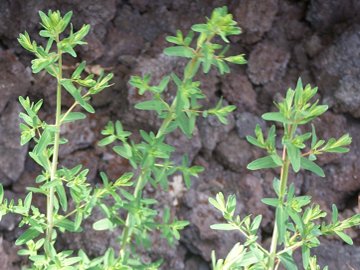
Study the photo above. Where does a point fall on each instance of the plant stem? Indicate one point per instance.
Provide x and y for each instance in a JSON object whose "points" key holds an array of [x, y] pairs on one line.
{"points": [[289, 131], [127, 232], [291, 248], [102, 192], [72, 107], [247, 237], [283, 183], [68, 111], [54, 163]]}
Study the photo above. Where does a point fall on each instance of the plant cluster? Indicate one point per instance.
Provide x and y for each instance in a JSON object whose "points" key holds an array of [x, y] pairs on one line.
{"points": [[151, 158], [299, 223]]}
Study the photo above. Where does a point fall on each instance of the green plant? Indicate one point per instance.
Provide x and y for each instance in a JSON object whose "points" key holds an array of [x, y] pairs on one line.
{"points": [[55, 184], [298, 222], [151, 158]]}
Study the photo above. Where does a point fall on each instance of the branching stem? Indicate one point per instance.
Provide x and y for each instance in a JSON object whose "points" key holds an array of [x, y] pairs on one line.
{"points": [[55, 157], [127, 232], [141, 181], [283, 184]]}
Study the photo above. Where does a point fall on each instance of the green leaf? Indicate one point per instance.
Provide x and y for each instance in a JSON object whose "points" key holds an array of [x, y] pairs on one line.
{"points": [[88, 107], [276, 186], [162, 85], [335, 214], [73, 116], [281, 219], [305, 256], [294, 156], [262, 163], [222, 112], [141, 83], [103, 224], [124, 151], [199, 28], [256, 224], [288, 261], [270, 201], [189, 37], [124, 180], [339, 145], [192, 68], [51, 184], [25, 42], [43, 142], [338, 150], [27, 201], [46, 22], [28, 235], [313, 136], [40, 159], [185, 124], [299, 91], [105, 179], [275, 157], [237, 59], [26, 134], [186, 178], [43, 62], [347, 239], [130, 197], [311, 166], [73, 91], [1, 193], [219, 203], [66, 20], [255, 142], [223, 227], [76, 94], [316, 111], [101, 84], [222, 67], [195, 170], [152, 105], [275, 116], [60, 190], [180, 51], [178, 40], [76, 74], [107, 140], [67, 44], [65, 224], [297, 220], [78, 220]]}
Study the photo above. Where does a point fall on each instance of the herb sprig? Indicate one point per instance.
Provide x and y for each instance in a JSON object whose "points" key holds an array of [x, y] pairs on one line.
{"points": [[299, 223]]}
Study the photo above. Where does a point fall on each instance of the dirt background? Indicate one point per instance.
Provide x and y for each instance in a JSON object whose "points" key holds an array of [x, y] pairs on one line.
{"points": [[283, 40]]}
